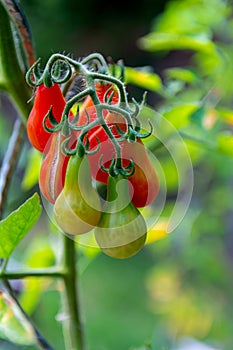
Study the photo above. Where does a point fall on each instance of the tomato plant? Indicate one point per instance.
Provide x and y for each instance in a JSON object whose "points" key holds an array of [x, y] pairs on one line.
{"points": [[111, 185]]}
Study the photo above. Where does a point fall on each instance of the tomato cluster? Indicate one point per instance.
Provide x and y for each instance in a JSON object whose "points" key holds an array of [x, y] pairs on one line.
{"points": [[66, 180]]}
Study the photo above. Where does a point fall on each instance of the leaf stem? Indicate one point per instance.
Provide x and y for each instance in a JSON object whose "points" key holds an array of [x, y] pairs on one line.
{"points": [[52, 272]]}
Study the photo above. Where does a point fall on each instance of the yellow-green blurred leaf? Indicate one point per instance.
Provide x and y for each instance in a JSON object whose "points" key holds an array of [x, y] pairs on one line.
{"points": [[171, 41], [183, 74], [17, 224], [179, 115], [191, 17], [143, 78]]}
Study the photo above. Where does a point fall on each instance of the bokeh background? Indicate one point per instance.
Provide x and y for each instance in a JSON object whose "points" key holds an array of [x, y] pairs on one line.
{"points": [[177, 293]]}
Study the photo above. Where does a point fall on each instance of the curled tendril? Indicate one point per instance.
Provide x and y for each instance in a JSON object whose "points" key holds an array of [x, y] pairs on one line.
{"points": [[82, 147], [56, 73], [137, 108], [140, 135], [37, 71], [50, 117], [60, 74], [34, 71], [137, 127], [115, 168], [66, 148], [98, 59], [95, 150]]}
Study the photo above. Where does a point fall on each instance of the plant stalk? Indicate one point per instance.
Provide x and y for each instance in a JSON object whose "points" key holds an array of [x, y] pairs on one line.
{"points": [[74, 338], [11, 74]]}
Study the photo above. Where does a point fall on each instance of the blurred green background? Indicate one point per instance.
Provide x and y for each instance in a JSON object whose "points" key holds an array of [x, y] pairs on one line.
{"points": [[179, 287]]}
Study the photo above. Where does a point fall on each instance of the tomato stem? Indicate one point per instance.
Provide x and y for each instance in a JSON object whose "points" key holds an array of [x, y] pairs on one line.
{"points": [[72, 325]]}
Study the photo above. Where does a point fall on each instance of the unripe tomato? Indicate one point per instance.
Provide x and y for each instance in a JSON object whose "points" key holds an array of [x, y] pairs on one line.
{"points": [[77, 209], [122, 230]]}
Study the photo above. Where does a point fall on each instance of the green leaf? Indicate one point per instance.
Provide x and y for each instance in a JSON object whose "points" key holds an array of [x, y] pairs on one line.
{"points": [[17, 224], [143, 78], [32, 170], [14, 326]]}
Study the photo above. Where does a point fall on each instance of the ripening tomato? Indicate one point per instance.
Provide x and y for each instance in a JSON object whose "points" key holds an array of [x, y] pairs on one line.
{"points": [[77, 209]]}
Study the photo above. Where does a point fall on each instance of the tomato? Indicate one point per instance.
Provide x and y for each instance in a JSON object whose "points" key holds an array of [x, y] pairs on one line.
{"points": [[145, 183], [54, 165], [121, 231], [45, 98], [77, 209]]}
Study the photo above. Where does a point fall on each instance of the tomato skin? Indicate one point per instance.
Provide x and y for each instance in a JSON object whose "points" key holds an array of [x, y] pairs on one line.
{"points": [[45, 98], [121, 231], [77, 209], [144, 181], [53, 169], [54, 166]]}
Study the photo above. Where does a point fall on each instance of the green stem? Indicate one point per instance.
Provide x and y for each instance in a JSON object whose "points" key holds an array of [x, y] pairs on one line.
{"points": [[72, 325], [113, 80], [52, 272], [95, 57], [11, 76]]}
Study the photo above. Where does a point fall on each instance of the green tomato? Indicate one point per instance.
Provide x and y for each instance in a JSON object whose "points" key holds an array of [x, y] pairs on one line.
{"points": [[121, 231]]}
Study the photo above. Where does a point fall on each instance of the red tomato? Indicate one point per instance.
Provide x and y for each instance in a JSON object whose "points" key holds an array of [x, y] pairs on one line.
{"points": [[45, 98]]}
